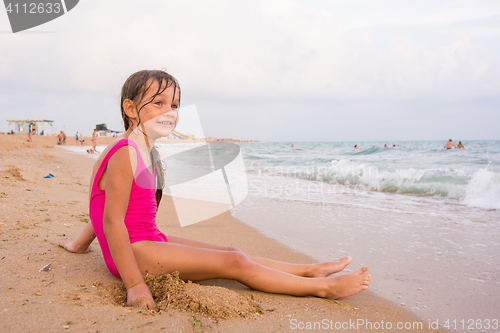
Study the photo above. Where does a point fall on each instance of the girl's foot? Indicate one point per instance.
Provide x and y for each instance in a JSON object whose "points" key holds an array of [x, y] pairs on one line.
{"points": [[71, 247], [348, 284], [327, 268]]}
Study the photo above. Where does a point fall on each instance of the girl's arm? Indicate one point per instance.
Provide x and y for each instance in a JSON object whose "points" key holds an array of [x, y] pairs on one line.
{"points": [[118, 184], [81, 244]]}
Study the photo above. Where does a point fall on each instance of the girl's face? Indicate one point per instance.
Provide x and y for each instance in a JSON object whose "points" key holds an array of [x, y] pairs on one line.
{"points": [[159, 117]]}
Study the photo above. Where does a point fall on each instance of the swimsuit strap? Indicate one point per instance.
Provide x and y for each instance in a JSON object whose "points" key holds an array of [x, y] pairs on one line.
{"points": [[104, 163]]}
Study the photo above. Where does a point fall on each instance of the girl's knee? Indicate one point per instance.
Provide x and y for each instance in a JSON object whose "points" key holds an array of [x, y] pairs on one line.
{"points": [[238, 260], [233, 249]]}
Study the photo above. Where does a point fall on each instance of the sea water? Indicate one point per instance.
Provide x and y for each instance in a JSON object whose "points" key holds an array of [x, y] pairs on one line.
{"points": [[425, 220], [418, 169]]}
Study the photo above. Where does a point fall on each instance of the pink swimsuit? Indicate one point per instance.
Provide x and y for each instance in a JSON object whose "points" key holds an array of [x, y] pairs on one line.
{"points": [[141, 210]]}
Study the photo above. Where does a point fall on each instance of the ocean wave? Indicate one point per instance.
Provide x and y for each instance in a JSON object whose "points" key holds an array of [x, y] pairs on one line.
{"points": [[370, 150], [479, 188], [483, 190]]}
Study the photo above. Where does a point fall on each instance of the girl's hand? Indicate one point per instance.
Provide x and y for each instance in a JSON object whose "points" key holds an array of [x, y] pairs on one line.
{"points": [[81, 244], [139, 296], [72, 247]]}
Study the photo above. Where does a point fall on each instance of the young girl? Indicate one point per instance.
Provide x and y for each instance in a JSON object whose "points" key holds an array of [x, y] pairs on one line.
{"points": [[126, 189]]}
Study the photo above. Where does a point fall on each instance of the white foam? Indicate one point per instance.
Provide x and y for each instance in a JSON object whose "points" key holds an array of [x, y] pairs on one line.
{"points": [[483, 190], [82, 150]]}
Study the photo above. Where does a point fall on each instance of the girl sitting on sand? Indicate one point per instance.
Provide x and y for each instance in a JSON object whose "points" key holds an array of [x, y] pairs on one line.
{"points": [[126, 189]]}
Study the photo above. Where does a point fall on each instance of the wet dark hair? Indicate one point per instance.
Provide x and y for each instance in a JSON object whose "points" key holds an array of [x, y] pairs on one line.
{"points": [[134, 89]]}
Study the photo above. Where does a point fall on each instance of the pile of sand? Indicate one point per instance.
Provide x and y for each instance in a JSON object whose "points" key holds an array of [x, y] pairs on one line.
{"points": [[14, 172], [170, 292]]}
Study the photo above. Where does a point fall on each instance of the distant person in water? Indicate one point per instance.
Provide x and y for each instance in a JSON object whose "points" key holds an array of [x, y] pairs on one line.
{"points": [[394, 147], [92, 151], [449, 145], [385, 146], [460, 145], [355, 146], [292, 145]]}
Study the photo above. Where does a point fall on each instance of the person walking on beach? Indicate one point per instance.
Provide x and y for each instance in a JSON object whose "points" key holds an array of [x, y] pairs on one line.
{"points": [[94, 138], [449, 145], [126, 189], [60, 138], [76, 137], [460, 145]]}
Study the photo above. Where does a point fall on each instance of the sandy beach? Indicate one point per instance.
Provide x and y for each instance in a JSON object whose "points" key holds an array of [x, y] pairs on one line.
{"points": [[37, 214]]}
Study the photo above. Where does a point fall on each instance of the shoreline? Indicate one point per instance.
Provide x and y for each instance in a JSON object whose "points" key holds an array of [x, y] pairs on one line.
{"points": [[51, 139], [36, 214]]}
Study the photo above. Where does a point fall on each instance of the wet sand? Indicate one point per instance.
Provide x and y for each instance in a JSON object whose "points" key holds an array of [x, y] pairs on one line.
{"points": [[36, 214], [439, 262]]}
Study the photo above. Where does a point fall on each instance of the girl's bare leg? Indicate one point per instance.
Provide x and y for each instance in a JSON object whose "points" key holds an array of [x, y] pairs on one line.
{"points": [[196, 264], [306, 270], [323, 269]]}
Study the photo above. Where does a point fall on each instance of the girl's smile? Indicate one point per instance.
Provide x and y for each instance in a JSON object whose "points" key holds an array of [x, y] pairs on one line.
{"points": [[165, 123]]}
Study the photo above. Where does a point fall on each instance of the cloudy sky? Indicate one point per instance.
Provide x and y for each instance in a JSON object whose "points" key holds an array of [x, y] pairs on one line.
{"points": [[283, 70]]}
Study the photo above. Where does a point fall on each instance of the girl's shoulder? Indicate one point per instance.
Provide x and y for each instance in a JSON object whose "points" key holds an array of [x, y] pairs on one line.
{"points": [[121, 150]]}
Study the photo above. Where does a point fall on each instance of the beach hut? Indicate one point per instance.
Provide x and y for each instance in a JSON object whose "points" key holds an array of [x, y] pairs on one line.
{"points": [[23, 127], [102, 130]]}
